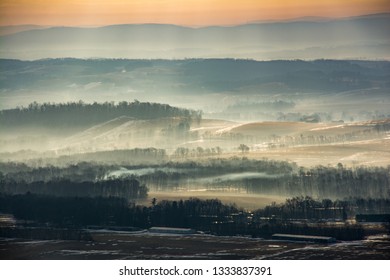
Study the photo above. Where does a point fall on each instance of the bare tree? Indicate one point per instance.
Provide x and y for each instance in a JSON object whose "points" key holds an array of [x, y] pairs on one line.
{"points": [[243, 148]]}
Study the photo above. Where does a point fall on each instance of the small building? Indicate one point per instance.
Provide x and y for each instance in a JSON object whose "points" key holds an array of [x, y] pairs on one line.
{"points": [[304, 238], [170, 230]]}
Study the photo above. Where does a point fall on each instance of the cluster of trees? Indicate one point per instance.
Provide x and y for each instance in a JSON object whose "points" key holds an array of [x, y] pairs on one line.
{"points": [[127, 188], [183, 152], [194, 213], [149, 155], [252, 176], [67, 211], [382, 126], [341, 182], [216, 166], [323, 182], [243, 148], [80, 114], [306, 208], [370, 132], [113, 211], [274, 177], [370, 205], [206, 215], [79, 172]]}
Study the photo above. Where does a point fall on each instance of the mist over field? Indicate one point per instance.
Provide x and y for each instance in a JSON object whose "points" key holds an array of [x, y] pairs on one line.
{"points": [[249, 130]]}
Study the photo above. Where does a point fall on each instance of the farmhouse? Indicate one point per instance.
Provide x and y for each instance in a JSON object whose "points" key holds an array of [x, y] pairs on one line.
{"points": [[170, 230], [304, 238]]}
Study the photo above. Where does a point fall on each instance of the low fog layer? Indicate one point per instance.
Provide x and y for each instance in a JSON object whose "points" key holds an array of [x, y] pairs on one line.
{"points": [[238, 90], [288, 110]]}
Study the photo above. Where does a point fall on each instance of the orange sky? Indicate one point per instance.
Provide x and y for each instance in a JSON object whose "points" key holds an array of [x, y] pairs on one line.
{"points": [[181, 12]]}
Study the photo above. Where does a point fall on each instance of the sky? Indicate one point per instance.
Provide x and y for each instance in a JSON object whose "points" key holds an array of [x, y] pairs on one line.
{"points": [[179, 12]]}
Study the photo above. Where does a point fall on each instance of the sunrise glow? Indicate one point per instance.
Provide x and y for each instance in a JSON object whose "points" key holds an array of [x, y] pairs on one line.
{"points": [[189, 12]]}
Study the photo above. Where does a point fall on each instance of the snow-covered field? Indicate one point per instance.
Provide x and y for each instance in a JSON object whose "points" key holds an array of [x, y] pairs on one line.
{"points": [[110, 245]]}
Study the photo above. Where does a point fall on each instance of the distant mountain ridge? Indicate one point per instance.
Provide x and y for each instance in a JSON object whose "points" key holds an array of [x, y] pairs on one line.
{"points": [[191, 76], [321, 19], [207, 84], [12, 29], [366, 37]]}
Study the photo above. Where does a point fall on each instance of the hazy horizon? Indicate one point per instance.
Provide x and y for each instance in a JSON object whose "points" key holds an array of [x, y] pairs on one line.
{"points": [[304, 18], [356, 38]]}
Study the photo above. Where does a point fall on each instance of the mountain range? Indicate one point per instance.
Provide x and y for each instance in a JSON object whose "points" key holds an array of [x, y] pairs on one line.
{"points": [[363, 37]]}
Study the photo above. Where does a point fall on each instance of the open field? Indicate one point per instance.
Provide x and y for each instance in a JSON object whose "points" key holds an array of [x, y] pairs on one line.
{"points": [[111, 245], [244, 200], [370, 153], [293, 129], [264, 129], [306, 143]]}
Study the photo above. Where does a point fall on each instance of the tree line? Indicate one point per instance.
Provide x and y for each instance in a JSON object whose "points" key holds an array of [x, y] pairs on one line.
{"points": [[78, 114], [252, 176], [276, 141], [306, 208], [211, 216], [274, 177], [127, 188]]}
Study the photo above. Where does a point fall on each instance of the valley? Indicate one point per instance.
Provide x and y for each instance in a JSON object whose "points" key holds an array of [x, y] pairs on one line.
{"points": [[258, 151]]}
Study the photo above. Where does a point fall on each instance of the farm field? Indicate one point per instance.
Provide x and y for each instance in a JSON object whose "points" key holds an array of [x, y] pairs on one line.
{"points": [[113, 246]]}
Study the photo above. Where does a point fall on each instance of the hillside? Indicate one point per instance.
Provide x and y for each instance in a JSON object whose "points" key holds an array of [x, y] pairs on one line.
{"points": [[223, 88], [73, 116], [125, 139], [275, 108]]}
